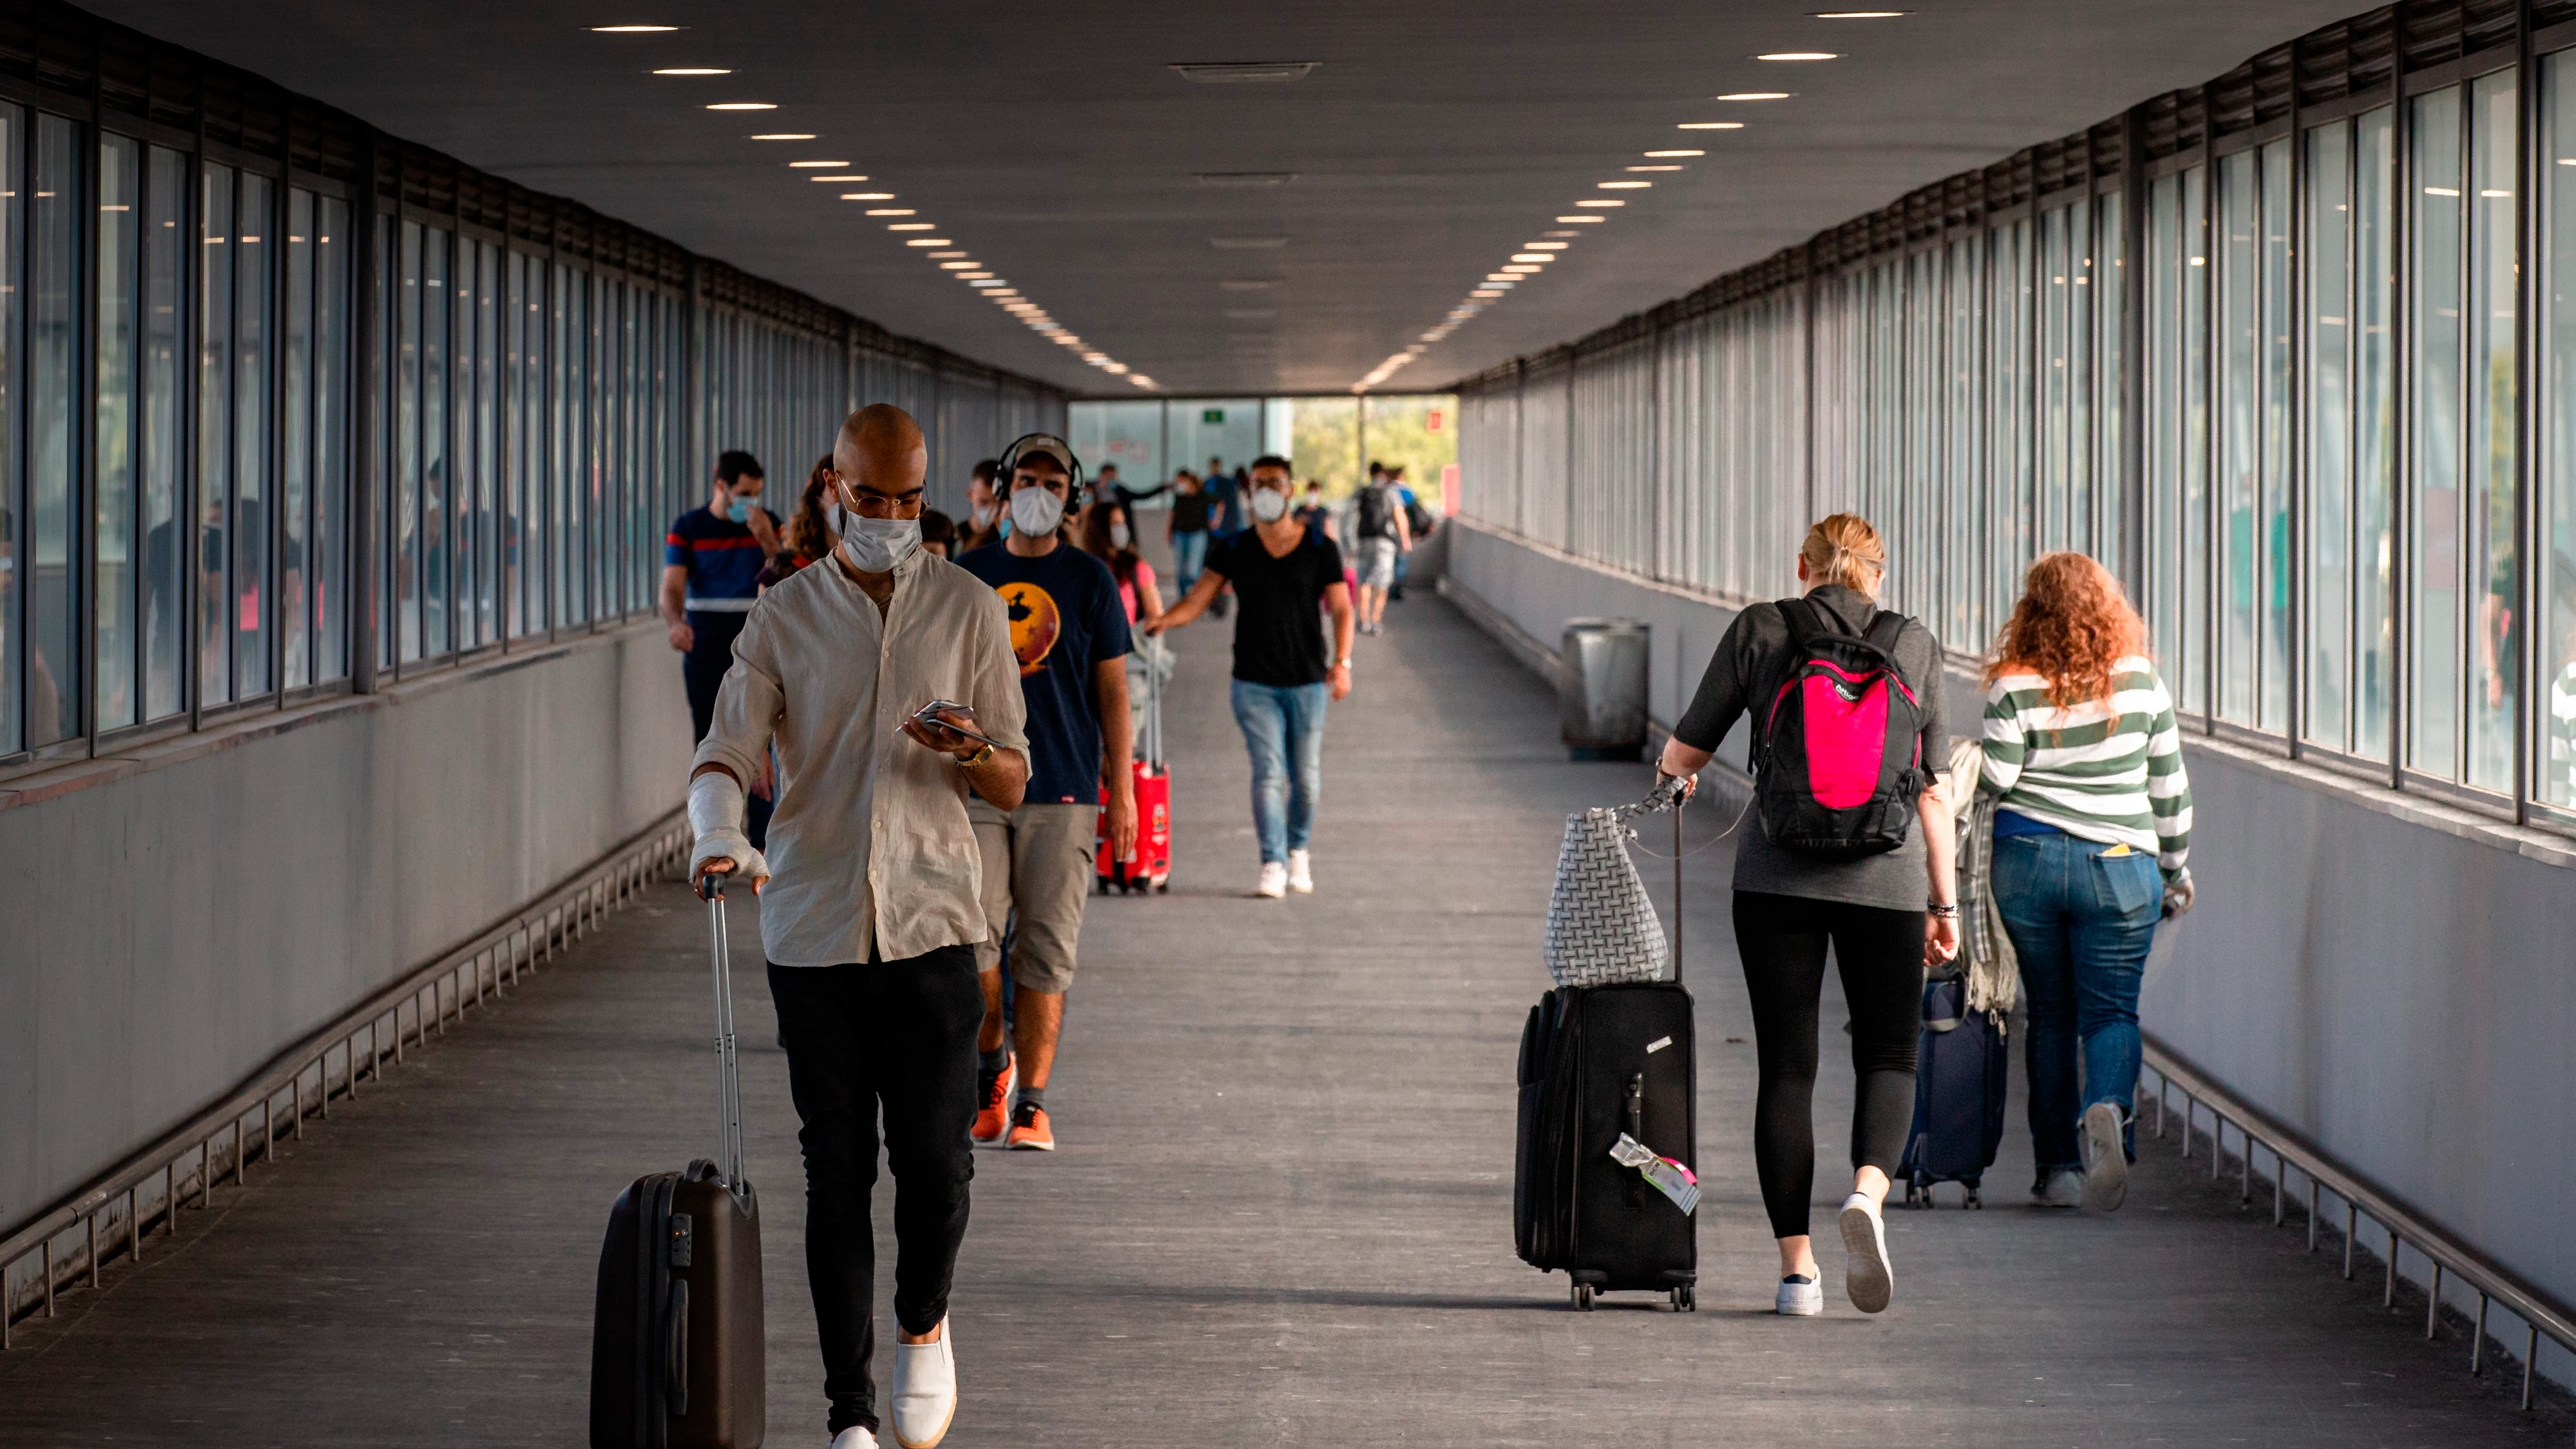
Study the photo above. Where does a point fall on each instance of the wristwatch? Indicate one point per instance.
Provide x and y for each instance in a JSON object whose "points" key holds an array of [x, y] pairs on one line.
{"points": [[977, 758], [1943, 911]]}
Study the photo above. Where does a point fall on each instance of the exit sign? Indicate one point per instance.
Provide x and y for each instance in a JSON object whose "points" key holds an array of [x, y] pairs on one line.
{"points": [[1212, 416], [1431, 421]]}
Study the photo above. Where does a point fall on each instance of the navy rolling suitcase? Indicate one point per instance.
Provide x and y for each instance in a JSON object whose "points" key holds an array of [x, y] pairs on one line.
{"points": [[1961, 1069], [1598, 1063]]}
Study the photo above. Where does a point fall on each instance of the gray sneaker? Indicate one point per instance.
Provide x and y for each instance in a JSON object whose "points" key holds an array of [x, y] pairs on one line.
{"points": [[2106, 1159], [2058, 1187]]}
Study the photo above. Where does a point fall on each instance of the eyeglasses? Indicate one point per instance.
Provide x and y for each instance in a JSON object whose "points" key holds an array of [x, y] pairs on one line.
{"points": [[876, 505]]}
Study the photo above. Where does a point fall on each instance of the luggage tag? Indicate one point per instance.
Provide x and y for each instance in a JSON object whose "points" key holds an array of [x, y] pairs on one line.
{"points": [[1668, 1177]]}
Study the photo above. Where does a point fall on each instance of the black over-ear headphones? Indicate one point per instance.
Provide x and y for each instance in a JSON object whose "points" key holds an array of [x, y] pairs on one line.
{"points": [[1010, 463]]}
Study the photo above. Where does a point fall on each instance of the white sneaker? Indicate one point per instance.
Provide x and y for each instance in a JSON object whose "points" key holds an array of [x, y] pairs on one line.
{"points": [[2058, 1187], [1301, 872], [1866, 1276], [1274, 881], [1800, 1297], [925, 1390], [2106, 1159], [854, 1437]]}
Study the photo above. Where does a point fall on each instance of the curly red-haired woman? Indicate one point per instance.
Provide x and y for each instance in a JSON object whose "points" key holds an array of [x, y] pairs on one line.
{"points": [[2091, 832]]}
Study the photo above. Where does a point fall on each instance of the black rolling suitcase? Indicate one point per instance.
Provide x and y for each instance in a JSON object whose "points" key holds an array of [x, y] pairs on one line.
{"points": [[1599, 1063], [675, 1349], [1960, 1074]]}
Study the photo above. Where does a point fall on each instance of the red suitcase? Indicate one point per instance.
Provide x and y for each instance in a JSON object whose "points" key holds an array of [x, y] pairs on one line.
{"points": [[1151, 870]]}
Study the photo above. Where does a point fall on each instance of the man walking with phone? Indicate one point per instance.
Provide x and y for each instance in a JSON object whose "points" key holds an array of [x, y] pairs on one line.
{"points": [[869, 912], [1069, 631]]}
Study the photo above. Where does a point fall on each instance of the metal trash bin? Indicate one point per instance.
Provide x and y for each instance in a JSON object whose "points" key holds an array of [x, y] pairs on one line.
{"points": [[1601, 688]]}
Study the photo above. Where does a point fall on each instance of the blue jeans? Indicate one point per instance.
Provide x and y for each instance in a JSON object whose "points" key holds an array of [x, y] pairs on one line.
{"points": [[1189, 553], [1283, 727], [2082, 921]]}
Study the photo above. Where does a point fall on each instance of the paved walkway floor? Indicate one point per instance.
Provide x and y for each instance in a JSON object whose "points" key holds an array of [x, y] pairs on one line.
{"points": [[1281, 1211]]}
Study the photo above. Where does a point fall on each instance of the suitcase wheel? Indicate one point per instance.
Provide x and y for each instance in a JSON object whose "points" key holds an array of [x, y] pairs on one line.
{"points": [[1163, 887], [1685, 1298], [1582, 1297], [1976, 1199]]}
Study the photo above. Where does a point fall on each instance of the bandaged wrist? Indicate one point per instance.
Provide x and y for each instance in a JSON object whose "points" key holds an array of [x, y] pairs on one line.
{"points": [[715, 803]]}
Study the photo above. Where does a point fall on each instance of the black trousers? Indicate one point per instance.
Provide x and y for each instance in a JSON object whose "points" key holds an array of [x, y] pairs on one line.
{"points": [[896, 1035], [1782, 940]]}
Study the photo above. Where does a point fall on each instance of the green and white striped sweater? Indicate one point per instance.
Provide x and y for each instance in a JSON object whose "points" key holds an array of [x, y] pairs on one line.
{"points": [[2108, 770]]}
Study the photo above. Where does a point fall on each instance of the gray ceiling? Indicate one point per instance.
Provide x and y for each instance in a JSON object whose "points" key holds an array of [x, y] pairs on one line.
{"points": [[1054, 142]]}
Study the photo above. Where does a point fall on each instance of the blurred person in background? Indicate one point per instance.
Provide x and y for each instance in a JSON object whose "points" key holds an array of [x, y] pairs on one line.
{"points": [[1187, 529]]}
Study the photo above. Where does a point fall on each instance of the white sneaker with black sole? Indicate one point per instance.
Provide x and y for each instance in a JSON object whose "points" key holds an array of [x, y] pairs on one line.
{"points": [[1301, 872], [1274, 881], [2058, 1187], [1800, 1297], [1866, 1276], [2106, 1158]]}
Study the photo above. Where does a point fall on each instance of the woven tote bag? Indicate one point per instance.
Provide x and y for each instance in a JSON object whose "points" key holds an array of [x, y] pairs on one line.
{"points": [[1601, 928]]}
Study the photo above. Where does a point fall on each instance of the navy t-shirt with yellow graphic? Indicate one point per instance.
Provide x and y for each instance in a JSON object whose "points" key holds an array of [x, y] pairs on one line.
{"points": [[1065, 619]]}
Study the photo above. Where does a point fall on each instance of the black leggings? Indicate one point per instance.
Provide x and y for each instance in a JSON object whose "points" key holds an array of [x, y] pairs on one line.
{"points": [[1880, 952]]}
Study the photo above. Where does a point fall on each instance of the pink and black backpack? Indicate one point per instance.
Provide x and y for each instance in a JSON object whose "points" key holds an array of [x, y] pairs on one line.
{"points": [[1842, 745]]}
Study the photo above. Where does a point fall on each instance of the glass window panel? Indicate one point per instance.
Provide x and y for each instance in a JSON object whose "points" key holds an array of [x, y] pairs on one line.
{"points": [[2375, 433], [332, 480], [2557, 436], [255, 227], [165, 516], [2274, 566], [2160, 596], [13, 577], [2055, 381], [2329, 452], [2488, 501], [120, 197], [2240, 337], [2198, 559], [487, 442], [437, 503], [2110, 270], [2434, 619], [53, 588], [2075, 517], [407, 462], [295, 470]]}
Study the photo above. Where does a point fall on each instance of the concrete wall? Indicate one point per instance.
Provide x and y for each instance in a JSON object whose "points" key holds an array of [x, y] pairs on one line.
{"points": [[180, 913], [2395, 979]]}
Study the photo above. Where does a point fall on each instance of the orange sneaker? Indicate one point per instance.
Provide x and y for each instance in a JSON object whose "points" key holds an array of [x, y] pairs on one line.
{"points": [[994, 1117], [1030, 1131]]}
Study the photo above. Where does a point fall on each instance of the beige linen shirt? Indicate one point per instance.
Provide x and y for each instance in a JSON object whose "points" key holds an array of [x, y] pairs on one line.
{"points": [[870, 845]]}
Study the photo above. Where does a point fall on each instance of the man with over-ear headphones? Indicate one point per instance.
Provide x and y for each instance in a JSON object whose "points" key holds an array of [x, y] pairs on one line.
{"points": [[1069, 630]]}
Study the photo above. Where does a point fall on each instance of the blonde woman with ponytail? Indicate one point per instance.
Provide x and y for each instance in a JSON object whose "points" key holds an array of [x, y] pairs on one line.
{"points": [[1885, 915]]}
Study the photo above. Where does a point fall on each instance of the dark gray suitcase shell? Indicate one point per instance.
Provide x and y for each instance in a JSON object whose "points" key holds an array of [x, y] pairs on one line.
{"points": [[676, 1355]]}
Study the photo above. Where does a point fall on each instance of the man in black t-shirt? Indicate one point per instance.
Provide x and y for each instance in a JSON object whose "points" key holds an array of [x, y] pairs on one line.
{"points": [[1283, 679]]}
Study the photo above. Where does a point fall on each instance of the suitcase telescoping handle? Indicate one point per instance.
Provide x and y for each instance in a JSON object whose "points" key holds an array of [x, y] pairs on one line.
{"points": [[1667, 795], [728, 1083]]}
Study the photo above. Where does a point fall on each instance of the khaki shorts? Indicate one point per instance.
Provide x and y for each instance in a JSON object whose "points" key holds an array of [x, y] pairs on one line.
{"points": [[1038, 860]]}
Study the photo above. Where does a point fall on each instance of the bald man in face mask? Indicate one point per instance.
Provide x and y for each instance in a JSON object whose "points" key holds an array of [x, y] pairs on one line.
{"points": [[869, 910]]}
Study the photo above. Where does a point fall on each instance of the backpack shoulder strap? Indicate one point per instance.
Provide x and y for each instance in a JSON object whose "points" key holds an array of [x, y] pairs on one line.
{"points": [[1884, 629], [1803, 624]]}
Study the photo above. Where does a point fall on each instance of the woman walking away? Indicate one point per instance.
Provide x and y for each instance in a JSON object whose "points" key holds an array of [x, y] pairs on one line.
{"points": [[2091, 830], [1885, 912]]}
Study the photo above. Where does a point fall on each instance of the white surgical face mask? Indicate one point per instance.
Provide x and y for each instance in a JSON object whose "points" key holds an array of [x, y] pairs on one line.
{"points": [[877, 545], [1269, 504], [983, 515], [1118, 535], [1035, 511]]}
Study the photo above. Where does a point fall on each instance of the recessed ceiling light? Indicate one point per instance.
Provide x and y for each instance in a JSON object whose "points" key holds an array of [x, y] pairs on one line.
{"points": [[1541, 257], [1799, 55], [844, 179], [1243, 72], [1710, 126], [979, 279], [1502, 279], [1247, 284], [742, 106], [691, 70], [959, 266], [1114, 369], [943, 256], [784, 136], [1677, 153], [1141, 380], [1566, 233], [927, 241], [1246, 243], [1543, 246], [1589, 219], [632, 29], [1856, 14], [916, 226], [1756, 95], [1654, 168], [867, 196], [1624, 185], [1601, 200], [816, 165], [1524, 269], [1486, 292], [889, 211]]}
